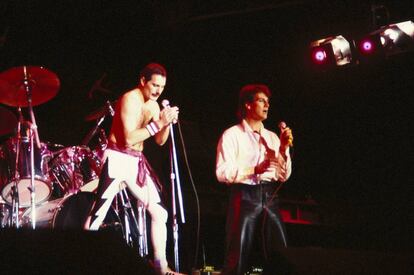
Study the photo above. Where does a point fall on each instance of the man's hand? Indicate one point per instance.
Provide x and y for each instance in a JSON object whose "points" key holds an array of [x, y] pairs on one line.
{"points": [[270, 163], [169, 115], [286, 139]]}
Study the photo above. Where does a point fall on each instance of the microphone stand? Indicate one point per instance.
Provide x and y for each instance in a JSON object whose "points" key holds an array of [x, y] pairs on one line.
{"points": [[175, 181]]}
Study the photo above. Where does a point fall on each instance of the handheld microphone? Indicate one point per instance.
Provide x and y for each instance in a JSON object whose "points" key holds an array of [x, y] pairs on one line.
{"points": [[166, 104], [282, 125]]}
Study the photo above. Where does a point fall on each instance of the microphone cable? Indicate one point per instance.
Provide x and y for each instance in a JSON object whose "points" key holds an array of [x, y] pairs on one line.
{"points": [[195, 193]]}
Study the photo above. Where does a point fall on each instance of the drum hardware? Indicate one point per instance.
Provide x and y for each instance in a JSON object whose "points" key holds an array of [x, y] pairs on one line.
{"points": [[97, 86], [98, 115], [69, 213], [15, 160], [73, 168], [142, 230], [102, 111], [135, 231], [42, 83], [26, 86], [4, 215]]}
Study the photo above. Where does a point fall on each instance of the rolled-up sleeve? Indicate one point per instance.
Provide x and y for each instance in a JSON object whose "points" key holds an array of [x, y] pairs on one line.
{"points": [[285, 166]]}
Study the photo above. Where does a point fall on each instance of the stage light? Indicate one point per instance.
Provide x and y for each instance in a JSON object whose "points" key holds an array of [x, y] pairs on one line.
{"points": [[386, 41], [397, 38], [369, 45], [369, 48], [331, 51]]}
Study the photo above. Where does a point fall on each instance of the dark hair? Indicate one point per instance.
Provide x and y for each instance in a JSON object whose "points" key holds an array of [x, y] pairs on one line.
{"points": [[150, 69], [247, 94]]}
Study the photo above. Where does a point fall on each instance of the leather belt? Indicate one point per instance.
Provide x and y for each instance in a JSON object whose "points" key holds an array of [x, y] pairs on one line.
{"points": [[266, 182]]}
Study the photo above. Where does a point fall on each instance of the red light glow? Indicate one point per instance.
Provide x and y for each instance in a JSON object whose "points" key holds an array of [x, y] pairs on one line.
{"points": [[319, 55], [367, 46]]}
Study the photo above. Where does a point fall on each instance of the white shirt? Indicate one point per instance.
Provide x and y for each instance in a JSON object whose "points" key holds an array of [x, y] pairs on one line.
{"points": [[240, 150]]}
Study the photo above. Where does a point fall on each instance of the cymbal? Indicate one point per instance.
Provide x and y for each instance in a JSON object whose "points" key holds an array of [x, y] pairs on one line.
{"points": [[108, 108], [8, 121], [44, 85]]}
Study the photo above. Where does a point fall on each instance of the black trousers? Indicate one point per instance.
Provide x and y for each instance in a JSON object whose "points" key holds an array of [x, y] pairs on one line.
{"points": [[252, 209]]}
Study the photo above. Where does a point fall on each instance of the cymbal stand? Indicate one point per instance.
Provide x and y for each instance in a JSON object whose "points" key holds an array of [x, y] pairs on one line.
{"points": [[33, 126], [33, 132], [92, 132], [15, 189], [32, 185], [175, 184], [99, 121]]}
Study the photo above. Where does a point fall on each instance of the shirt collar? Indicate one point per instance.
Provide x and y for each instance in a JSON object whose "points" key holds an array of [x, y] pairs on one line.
{"points": [[247, 128]]}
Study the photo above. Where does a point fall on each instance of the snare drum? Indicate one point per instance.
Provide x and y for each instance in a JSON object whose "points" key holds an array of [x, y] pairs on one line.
{"points": [[20, 172], [69, 212]]}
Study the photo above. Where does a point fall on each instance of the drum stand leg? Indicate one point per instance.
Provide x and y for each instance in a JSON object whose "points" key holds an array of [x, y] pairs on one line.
{"points": [[14, 217], [131, 220], [126, 206], [142, 230]]}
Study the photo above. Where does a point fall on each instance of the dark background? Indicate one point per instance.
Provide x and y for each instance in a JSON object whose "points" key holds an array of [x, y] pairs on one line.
{"points": [[353, 150]]}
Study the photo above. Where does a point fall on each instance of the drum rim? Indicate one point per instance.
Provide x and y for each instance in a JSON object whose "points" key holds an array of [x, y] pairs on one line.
{"points": [[26, 213], [39, 179]]}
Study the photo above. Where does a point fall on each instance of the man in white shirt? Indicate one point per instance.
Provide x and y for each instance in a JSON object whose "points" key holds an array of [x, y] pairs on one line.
{"points": [[254, 162]]}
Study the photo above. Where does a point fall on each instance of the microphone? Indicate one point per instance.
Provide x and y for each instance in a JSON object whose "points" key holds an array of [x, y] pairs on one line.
{"points": [[166, 104], [282, 125]]}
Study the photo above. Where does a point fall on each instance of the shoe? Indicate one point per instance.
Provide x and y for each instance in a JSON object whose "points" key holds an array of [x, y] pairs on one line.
{"points": [[163, 269]]}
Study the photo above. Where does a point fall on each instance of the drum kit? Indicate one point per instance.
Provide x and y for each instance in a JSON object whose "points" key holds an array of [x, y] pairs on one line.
{"points": [[40, 182]]}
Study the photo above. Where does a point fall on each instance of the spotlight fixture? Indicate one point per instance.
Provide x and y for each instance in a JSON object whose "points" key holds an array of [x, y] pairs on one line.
{"points": [[369, 48], [397, 38], [331, 51], [388, 40]]}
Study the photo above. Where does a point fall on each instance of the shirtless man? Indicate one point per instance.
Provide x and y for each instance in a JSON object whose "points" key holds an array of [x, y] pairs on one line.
{"points": [[137, 118]]}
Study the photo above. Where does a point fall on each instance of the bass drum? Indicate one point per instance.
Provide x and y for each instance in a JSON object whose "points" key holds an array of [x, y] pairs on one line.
{"points": [[69, 213]]}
